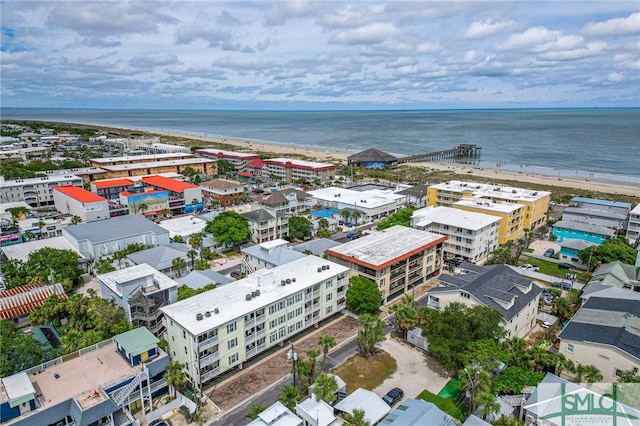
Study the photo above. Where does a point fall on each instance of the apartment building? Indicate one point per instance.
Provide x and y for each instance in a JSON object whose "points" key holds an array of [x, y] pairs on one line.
{"points": [[37, 192], [536, 203], [371, 204], [511, 216], [238, 159], [287, 201], [134, 159], [398, 259], [267, 255], [184, 197], [224, 191], [219, 330], [470, 236], [291, 169], [76, 201], [163, 148], [266, 224], [633, 228], [202, 166]]}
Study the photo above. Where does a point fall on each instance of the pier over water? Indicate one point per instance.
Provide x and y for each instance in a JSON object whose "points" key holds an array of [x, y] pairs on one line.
{"points": [[460, 151]]}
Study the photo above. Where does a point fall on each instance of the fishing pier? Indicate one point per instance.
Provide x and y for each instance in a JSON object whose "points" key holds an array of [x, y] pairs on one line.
{"points": [[460, 151]]}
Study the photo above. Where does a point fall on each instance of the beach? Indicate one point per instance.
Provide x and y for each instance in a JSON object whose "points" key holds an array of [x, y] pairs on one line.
{"points": [[339, 156]]}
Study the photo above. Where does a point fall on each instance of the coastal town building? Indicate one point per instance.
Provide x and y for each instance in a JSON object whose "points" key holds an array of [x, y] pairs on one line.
{"points": [[161, 257], [37, 192], [372, 159], [316, 247], [18, 302], [511, 216], [398, 259], [536, 203], [111, 188], [416, 195], [76, 201], [374, 407], [569, 250], [277, 415], [199, 279], [94, 240], [224, 191], [267, 255], [291, 169], [102, 385], [498, 287], [288, 202], [604, 333], [184, 197], [43, 227], [470, 236], [266, 225], [141, 291], [202, 166], [565, 229], [163, 148], [22, 251], [124, 144], [417, 412], [633, 228], [136, 159], [371, 204], [238, 159], [216, 331]]}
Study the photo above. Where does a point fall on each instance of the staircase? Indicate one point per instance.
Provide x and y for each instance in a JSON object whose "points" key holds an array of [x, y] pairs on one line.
{"points": [[120, 395]]}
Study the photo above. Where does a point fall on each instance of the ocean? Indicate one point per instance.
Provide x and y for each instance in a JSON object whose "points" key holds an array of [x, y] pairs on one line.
{"points": [[598, 143]]}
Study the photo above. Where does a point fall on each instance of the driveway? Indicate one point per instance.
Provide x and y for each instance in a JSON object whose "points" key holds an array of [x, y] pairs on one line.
{"points": [[540, 246], [415, 371]]}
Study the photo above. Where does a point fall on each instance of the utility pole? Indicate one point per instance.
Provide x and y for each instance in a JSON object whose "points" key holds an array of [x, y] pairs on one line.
{"points": [[292, 357]]}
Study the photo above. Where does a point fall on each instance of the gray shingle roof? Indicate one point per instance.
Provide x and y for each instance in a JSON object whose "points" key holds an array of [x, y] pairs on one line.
{"points": [[584, 227], [492, 284], [198, 279], [317, 246], [278, 256], [259, 215], [608, 321], [160, 257], [576, 244], [114, 228], [373, 155]]}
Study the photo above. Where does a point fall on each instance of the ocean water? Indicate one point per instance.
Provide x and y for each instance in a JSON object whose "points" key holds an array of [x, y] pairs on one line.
{"points": [[599, 143]]}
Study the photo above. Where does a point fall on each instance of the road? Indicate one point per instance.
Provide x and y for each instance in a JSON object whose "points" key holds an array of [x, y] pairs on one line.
{"points": [[237, 415]]}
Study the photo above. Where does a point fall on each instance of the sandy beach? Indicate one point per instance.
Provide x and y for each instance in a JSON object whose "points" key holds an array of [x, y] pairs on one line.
{"points": [[339, 156]]}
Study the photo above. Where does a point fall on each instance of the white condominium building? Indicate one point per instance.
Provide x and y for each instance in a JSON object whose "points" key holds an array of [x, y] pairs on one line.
{"points": [[218, 330]]}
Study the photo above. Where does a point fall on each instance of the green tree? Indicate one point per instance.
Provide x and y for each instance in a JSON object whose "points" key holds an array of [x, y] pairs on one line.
{"points": [[346, 214], [504, 420], [406, 313], [178, 264], [225, 166], [563, 308], [17, 213], [323, 223], [401, 217], [255, 411], [363, 295], [185, 292], [178, 239], [175, 376], [371, 333], [195, 240], [561, 363], [102, 266], [355, 419], [300, 227], [229, 227], [42, 266], [629, 376], [201, 265], [589, 372], [613, 249], [75, 220], [325, 388], [192, 254], [488, 404], [513, 379], [326, 342], [289, 397], [323, 233], [19, 352]]}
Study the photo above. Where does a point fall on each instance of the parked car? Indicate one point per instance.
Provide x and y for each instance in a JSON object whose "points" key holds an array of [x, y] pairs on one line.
{"points": [[564, 265], [456, 261], [528, 266], [352, 235], [236, 274], [394, 396], [288, 238], [549, 253], [565, 285], [157, 422]]}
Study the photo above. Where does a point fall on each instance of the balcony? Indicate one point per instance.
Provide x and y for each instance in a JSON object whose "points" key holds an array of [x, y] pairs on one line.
{"points": [[208, 343], [253, 336], [251, 322], [256, 350], [311, 295], [206, 360], [210, 374], [341, 294], [343, 281]]}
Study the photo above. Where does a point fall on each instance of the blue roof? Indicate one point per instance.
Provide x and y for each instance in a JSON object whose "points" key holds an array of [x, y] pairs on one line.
{"points": [[601, 202]]}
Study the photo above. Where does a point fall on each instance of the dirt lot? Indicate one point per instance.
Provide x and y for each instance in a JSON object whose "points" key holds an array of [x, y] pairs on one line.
{"points": [[251, 381]]}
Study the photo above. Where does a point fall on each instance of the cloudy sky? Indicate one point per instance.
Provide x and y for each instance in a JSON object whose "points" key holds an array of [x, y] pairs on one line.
{"points": [[320, 55]]}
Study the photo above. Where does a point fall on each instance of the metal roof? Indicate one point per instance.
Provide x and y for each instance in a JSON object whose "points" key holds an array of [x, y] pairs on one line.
{"points": [[115, 228], [137, 341], [21, 300]]}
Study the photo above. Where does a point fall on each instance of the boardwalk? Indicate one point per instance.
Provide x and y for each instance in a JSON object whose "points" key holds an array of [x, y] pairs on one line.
{"points": [[462, 150]]}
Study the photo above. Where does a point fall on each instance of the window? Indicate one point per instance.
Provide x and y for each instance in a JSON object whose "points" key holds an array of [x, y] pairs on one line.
{"points": [[233, 358], [232, 343], [185, 349], [570, 349], [231, 327], [329, 309], [282, 332], [273, 337], [329, 284], [329, 297], [173, 338], [184, 334]]}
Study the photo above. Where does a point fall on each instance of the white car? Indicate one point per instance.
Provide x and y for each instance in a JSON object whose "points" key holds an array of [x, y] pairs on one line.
{"points": [[530, 267]]}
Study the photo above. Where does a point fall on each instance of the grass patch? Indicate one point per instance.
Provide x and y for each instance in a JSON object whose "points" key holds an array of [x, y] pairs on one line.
{"points": [[446, 405], [367, 373], [551, 268]]}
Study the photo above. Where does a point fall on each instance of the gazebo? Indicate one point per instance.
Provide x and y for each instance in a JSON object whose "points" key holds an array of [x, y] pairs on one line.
{"points": [[372, 159]]}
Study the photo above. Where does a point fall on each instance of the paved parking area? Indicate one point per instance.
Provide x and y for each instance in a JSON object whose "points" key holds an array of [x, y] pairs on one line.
{"points": [[416, 372], [540, 246]]}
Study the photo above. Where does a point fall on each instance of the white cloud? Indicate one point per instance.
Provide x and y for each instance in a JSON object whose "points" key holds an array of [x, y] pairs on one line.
{"points": [[486, 28], [369, 34], [614, 27]]}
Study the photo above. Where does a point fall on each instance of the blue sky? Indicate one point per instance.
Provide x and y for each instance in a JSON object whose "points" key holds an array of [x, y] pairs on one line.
{"points": [[320, 55]]}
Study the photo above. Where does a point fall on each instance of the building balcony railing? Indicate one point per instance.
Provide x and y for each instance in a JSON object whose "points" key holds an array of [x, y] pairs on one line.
{"points": [[205, 344], [257, 335], [341, 294], [206, 360], [341, 306], [210, 374], [248, 323], [311, 295], [343, 281], [256, 350]]}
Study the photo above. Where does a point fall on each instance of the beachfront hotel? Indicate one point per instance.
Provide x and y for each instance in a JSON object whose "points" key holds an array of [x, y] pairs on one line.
{"points": [[291, 169], [398, 259], [536, 203], [238, 159], [133, 159], [217, 331], [200, 165], [511, 216]]}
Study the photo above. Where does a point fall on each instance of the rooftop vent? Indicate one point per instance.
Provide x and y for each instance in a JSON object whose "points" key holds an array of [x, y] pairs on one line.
{"points": [[513, 191], [207, 314], [248, 296], [288, 280], [199, 317], [324, 267], [319, 269], [283, 283], [293, 280], [328, 266], [257, 292], [216, 310]]}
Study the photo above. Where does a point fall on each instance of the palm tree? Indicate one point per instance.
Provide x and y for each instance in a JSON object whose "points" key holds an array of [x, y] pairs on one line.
{"points": [[346, 214], [289, 397], [166, 212], [562, 363], [406, 314], [75, 220], [41, 225], [255, 411], [174, 375], [325, 388], [192, 254], [326, 342], [356, 214], [589, 372], [178, 264], [195, 240], [356, 418], [488, 404], [142, 207]]}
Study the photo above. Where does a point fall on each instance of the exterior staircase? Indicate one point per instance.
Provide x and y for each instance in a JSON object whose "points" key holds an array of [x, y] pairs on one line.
{"points": [[120, 395]]}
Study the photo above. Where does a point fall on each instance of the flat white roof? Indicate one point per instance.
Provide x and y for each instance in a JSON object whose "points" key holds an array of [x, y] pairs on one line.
{"points": [[22, 251], [385, 246], [484, 204], [123, 276], [362, 399], [42, 180], [5, 206], [359, 199], [454, 217], [141, 157], [213, 151], [230, 299], [184, 225], [178, 162], [18, 386], [636, 210], [488, 190], [300, 163]]}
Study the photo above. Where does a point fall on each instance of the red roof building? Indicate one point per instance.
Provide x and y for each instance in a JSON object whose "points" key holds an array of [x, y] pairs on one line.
{"points": [[17, 303], [79, 194], [76, 201]]}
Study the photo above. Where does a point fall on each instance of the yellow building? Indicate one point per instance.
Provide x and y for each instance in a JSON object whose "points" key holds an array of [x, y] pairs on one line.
{"points": [[536, 203], [511, 225]]}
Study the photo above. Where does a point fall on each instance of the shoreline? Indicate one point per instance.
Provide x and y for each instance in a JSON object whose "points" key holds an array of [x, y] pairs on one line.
{"points": [[625, 185]]}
